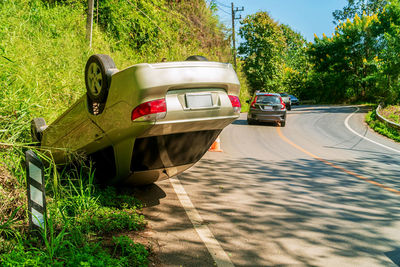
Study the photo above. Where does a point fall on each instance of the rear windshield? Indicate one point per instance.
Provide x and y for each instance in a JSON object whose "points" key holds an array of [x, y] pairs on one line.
{"points": [[268, 99]]}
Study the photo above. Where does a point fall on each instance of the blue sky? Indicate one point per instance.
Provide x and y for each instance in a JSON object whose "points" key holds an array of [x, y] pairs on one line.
{"points": [[305, 16]]}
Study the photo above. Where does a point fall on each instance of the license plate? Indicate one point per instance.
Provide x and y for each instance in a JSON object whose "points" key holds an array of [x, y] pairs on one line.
{"points": [[199, 101], [267, 107]]}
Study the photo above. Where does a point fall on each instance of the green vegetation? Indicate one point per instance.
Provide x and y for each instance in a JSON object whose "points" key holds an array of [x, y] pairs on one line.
{"points": [[81, 229], [264, 48], [43, 52], [391, 113], [381, 127], [358, 63]]}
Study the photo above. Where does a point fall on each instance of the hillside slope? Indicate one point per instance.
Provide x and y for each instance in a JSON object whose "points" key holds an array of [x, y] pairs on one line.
{"points": [[43, 52]]}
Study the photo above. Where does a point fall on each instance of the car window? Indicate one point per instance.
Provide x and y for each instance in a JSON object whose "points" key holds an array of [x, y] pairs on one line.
{"points": [[268, 99], [283, 94]]}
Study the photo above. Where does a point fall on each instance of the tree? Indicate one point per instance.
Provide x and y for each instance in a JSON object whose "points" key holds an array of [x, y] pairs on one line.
{"points": [[365, 7], [262, 51], [348, 59], [388, 34], [296, 63]]}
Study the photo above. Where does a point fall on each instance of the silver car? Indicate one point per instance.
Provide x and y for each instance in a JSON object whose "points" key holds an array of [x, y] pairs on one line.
{"points": [[266, 107], [146, 122]]}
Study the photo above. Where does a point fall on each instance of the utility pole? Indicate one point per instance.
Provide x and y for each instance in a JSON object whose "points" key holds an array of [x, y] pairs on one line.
{"points": [[89, 22], [234, 10]]}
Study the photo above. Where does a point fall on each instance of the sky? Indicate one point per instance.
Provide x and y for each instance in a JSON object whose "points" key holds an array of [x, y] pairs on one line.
{"points": [[304, 16]]}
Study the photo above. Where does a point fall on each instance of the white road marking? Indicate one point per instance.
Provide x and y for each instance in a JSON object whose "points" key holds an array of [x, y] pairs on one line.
{"points": [[219, 255], [346, 123]]}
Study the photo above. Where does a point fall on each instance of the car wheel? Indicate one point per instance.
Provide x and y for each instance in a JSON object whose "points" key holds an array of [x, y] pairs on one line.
{"points": [[283, 123], [196, 58], [98, 72], [250, 122], [37, 127], [289, 107]]}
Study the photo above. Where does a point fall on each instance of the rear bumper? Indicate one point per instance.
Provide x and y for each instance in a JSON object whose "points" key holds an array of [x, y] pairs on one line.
{"points": [[273, 116], [192, 125]]}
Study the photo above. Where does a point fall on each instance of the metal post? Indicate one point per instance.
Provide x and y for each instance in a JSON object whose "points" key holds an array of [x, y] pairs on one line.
{"points": [[36, 191], [233, 31], [89, 22], [233, 37]]}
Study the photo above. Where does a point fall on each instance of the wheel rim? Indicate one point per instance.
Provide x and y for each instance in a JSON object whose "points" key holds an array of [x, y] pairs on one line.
{"points": [[95, 79]]}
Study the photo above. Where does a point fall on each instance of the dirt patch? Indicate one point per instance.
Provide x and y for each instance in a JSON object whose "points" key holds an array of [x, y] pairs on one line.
{"points": [[391, 113], [12, 196], [143, 237]]}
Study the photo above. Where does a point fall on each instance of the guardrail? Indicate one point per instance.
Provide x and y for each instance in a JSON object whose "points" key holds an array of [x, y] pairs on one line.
{"points": [[384, 120]]}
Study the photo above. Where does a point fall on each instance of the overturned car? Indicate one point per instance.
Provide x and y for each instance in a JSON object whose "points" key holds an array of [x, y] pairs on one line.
{"points": [[147, 122]]}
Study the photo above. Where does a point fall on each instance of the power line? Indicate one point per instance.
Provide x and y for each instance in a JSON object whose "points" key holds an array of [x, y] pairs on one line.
{"points": [[155, 23], [222, 4], [224, 11]]}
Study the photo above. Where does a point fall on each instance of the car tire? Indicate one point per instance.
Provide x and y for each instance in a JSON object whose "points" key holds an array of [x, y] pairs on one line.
{"points": [[283, 123], [196, 58], [98, 71], [37, 127], [289, 107], [250, 122]]}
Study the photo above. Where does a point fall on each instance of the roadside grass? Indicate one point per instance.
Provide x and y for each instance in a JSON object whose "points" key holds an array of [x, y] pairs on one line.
{"points": [[381, 127], [81, 216], [391, 113], [43, 52]]}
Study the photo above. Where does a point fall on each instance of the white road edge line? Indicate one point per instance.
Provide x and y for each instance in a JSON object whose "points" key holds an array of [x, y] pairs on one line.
{"points": [[346, 123], [219, 255]]}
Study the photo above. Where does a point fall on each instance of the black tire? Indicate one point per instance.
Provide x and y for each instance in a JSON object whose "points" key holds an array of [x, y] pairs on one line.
{"points": [[196, 58], [250, 122], [37, 127], [98, 71], [289, 107], [283, 123]]}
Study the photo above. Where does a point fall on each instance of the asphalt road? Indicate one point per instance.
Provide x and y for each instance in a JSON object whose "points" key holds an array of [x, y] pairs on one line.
{"points": [[310, 194]]}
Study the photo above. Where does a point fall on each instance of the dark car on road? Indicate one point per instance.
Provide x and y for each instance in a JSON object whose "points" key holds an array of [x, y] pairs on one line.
{"points": [[294, 100], [267, 107]]}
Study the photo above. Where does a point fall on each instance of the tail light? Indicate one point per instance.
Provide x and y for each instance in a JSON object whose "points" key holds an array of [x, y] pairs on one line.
{"points": [[282, 103], [150, 111], [253, 103], [235, 103]]}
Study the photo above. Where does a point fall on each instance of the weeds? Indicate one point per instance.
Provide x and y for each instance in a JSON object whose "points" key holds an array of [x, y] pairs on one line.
{"points": [[42, 55], [54, 241], [6, 224], [381, 127], [131, 253]]}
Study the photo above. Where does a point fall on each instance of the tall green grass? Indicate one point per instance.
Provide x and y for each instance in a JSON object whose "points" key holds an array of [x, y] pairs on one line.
{"points": [[43, 52], [381, 127]]}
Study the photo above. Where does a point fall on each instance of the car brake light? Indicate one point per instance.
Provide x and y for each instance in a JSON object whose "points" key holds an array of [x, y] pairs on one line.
{"points": [[282, 103], [150, 111], [253, 104], [235, 103]]}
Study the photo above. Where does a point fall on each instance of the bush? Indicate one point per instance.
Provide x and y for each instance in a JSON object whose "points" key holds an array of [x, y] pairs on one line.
{"points": [[381, 127]]}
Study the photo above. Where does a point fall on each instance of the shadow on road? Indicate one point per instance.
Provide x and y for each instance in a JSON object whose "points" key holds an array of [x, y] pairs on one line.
{"points": [[295, 212], [244, 122], [149, 195]]}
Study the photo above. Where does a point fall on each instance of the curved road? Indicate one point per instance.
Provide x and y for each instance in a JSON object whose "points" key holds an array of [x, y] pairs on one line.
{"points": [[313, 193]]}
